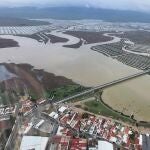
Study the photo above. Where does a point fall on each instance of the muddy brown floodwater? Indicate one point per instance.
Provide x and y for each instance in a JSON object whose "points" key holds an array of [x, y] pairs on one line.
{"points": [[86, 67]]}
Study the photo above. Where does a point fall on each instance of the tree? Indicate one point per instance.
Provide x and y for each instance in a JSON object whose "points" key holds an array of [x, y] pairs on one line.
{"points": [[33, 97], [85, 115]]}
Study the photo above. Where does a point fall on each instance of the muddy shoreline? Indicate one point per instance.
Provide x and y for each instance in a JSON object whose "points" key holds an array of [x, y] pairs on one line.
{"points": [[30, 80]]}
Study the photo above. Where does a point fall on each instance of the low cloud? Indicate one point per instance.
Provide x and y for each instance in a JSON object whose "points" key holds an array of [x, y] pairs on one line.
{"points": [[139, 5]]}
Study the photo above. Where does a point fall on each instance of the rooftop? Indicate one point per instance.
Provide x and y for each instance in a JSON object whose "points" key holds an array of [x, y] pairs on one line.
{"points": [[104, 145], [34, 142]]}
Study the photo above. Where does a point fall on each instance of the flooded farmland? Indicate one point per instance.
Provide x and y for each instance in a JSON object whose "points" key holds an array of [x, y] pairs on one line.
{"points": [[86, 67]]}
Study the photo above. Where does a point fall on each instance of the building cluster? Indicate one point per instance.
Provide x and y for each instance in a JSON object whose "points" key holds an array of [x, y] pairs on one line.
{"points": [[27, 105], [89, 126], [82, 131], [6, 110], [5, 113], [98, 26], [101, 26]]}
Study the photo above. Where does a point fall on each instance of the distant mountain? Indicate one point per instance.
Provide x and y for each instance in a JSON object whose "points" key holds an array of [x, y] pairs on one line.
{"points": [[76, 13], [12, 21]]}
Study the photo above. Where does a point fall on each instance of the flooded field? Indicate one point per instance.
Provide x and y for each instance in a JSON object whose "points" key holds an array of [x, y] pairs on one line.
{"points": [[131, 98], [86, 67], [83, 65]]}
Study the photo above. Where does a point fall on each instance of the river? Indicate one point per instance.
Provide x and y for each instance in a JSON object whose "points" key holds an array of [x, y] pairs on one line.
{"points": [[86, 67]]}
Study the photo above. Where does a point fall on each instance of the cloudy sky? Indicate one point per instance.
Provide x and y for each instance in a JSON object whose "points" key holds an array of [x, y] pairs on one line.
{"points": [[140, 5]]}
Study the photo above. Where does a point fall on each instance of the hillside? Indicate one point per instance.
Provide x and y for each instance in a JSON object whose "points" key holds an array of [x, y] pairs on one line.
{"points": [[76, 13]]}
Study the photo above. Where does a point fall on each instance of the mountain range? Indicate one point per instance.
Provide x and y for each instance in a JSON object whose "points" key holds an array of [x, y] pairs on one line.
{"points": [[74, 13]]}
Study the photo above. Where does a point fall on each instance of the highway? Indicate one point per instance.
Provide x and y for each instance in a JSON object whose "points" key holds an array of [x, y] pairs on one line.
{"points": [[104, 86]]}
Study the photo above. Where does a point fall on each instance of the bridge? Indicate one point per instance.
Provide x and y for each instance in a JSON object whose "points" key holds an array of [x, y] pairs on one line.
{"points": [[104, 86], [100, 87]]}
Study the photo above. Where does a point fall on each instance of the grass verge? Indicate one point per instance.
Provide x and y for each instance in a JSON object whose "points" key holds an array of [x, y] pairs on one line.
{"points": [[64, 91], [98, 107]]}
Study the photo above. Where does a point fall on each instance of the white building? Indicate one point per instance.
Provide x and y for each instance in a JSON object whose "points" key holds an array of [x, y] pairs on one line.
{"points": [[34, 142], [104, 145]]}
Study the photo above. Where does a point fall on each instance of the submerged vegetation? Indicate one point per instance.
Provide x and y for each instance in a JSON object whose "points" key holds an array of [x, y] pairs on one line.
{"points": [[98, 107]]}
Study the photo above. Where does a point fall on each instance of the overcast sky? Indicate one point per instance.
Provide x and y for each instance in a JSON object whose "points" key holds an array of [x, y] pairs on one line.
{"points": [[140, 5]]}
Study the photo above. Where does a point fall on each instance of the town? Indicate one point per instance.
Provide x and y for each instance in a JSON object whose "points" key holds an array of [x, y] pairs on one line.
{"points": [[74, 85], [46, 125]]}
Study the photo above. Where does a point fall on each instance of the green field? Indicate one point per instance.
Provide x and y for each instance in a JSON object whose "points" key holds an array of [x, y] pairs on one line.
{"points": [[64, 91], [58, 93], [98, 107]]}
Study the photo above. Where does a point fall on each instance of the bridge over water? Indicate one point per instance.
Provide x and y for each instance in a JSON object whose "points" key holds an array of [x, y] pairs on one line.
{"points": [[104, 86]]}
